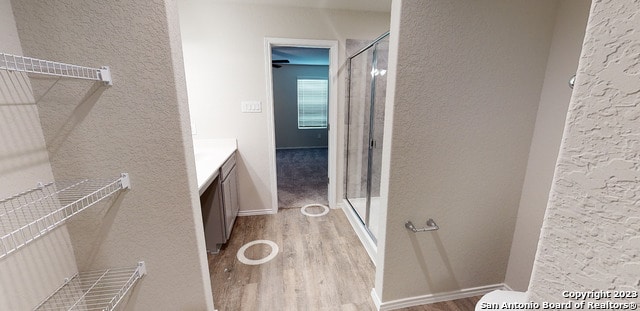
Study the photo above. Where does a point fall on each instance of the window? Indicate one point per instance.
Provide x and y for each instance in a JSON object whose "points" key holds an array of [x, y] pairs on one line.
{"points": [[313, 97]]}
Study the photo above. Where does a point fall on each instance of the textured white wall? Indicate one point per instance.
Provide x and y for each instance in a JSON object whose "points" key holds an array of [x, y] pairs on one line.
{"points": [[566, 45], [224, 61], [589, 238], [29, 275], [139, 126], [465, 81]]}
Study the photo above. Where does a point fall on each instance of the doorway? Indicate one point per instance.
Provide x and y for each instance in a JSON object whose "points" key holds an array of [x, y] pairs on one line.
{"points": [[302, 90], [300, 78]]}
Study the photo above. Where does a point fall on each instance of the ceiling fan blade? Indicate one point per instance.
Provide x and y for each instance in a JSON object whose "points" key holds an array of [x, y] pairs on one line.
{"points": [[280, 61], [275, 66]]}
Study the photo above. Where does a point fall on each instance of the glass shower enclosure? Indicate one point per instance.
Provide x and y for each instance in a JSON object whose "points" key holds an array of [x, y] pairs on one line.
{"points": [[366, 91]]}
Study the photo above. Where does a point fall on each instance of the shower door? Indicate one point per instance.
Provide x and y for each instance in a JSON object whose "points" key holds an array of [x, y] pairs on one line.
{"points": [[365, 117]]}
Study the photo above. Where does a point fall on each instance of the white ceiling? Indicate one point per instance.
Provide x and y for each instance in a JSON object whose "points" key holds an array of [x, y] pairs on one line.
{"points": [[357, 5]]}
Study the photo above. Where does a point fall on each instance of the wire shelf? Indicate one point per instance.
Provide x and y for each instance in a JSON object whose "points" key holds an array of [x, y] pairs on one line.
{"points": [[45, 67], [29, 215], [95, 290]]}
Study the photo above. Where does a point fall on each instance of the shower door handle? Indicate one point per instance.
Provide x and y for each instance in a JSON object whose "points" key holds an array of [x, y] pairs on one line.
{"points": [[372, 144]]}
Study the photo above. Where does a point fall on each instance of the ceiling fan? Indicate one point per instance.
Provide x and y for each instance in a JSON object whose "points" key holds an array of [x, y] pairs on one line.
{"points": [[275, 63]]}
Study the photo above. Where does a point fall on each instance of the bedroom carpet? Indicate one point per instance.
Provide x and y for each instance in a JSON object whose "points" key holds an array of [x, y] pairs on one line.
{"points": [[302, 177]]}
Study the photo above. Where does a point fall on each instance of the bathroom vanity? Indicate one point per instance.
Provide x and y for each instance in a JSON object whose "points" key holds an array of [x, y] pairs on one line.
{"points": [[217, 184]]}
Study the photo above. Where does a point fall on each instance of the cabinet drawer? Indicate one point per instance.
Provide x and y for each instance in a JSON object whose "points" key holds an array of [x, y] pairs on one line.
{"points": [[228, 166]]}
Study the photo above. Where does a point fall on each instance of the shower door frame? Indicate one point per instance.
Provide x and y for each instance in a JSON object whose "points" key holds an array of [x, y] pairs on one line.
{"points": [[374, 61]]}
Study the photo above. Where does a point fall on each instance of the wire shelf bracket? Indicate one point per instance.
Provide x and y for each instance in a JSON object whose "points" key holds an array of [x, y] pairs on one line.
{"points": [[96, 290], [29, 215], [44, 67]]}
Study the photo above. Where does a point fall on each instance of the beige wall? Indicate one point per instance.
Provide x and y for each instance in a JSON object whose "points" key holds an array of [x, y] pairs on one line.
{"points": [[224, 60], [566, 45], [34, 272], [140, 126], [24, 160], [464, 85], [589, 238]]}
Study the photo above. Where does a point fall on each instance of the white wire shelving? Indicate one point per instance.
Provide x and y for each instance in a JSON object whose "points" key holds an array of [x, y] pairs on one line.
{"points": [[95, 290], [39, 66], [29, 215]]}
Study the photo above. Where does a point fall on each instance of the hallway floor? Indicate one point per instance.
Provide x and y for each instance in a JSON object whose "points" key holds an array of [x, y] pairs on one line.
{"points": [[321, 265]]}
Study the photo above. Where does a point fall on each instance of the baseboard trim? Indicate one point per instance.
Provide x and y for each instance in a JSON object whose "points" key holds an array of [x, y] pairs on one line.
{"points": [[256, 212], [376, 299], [361, 232], [433, 298]]}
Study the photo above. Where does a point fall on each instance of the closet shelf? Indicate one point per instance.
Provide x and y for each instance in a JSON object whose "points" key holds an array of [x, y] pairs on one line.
{"points": [[45, 67], [95, 290], [29, 215]]}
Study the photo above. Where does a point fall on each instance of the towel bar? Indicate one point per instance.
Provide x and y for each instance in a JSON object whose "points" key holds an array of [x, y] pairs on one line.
{"points": [[431, 226]]}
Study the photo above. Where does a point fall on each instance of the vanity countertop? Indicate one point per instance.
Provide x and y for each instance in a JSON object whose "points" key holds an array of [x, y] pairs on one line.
{"points": [[210, 154]]}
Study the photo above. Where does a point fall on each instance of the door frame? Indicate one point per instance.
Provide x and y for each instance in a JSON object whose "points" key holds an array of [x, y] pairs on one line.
{"points": [[332, 45]]}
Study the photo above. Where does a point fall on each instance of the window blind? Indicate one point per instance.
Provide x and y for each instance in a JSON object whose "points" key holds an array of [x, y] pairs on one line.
{"points": [[313, 97]]}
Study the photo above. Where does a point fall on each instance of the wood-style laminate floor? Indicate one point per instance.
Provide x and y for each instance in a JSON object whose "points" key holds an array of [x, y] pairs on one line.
{"points": [[321, 265], [466, 304]]}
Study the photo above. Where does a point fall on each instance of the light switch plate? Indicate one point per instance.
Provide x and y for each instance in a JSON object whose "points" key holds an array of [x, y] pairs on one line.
{"points": [[251, 106]]}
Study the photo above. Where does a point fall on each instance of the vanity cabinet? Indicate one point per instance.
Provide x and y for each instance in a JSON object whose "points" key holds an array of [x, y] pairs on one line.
{"points": [[220, 207], [229, 194], [212, 216]]}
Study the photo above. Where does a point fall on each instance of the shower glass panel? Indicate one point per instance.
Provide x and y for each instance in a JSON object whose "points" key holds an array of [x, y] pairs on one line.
{"points": [[366, 101], [358, 132]]}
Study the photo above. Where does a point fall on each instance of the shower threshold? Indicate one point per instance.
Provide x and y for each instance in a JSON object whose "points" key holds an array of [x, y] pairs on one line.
{"points": [[353, 208]]}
